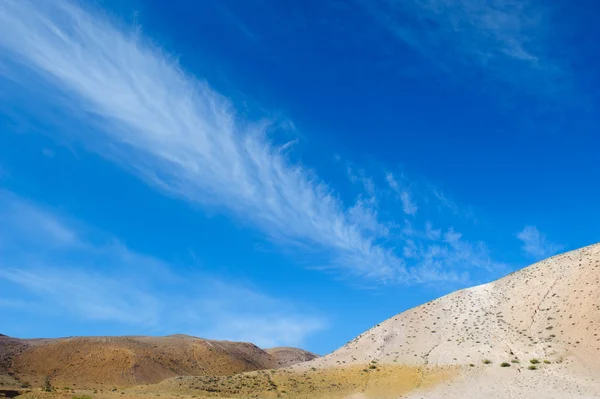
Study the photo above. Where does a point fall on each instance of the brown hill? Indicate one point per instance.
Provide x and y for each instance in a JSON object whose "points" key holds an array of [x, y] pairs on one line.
{"points": [[286, 356], [120, 361]]}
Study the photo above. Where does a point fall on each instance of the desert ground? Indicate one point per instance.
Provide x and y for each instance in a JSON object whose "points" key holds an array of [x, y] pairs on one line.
{"points": [[532, 334]]}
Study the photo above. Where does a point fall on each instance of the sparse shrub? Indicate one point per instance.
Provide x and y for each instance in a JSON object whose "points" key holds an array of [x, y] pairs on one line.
{"points": [[546, 361], [534, 361], [504, 364], [471, 365], [82, 397], [515, 361], [532, 367], [487, 361], [47, 387]]}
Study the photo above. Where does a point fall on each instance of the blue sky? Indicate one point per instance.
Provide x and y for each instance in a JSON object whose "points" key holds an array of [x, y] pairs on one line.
{"points": [[286, 173]]}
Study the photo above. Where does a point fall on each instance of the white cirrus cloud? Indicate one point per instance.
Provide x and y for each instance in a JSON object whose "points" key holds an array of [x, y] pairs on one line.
{"points": [[536, 244], [511, 40], [182, 137], [447, 257], [409, 205]]}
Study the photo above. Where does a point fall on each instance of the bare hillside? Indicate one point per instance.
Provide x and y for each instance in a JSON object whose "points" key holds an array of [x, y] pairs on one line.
{"points": [[286, 356], [538, 327], [108, 361]]}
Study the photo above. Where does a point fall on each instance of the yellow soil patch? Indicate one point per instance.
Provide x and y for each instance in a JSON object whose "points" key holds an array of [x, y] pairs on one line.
{"points": [[365, 382], [373, 381]]}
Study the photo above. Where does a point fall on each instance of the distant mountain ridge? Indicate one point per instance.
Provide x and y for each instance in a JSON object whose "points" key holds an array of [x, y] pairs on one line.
{"points": [[287, 356]]}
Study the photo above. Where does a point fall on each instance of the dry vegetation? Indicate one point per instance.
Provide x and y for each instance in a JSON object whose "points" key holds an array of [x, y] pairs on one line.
{"points": [[381, 382], [100, 362]]}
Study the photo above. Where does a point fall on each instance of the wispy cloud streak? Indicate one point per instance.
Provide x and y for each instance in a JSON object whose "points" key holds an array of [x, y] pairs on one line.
{"points": [[508, 39], [536, 244], [409, 206], [174, 131], [181, 136]]}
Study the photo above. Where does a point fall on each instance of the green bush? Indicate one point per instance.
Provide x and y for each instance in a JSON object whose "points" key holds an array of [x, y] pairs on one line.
{"points": [[532, 367], [47, 387], [504, 364], [487, 361], [534, 361]]}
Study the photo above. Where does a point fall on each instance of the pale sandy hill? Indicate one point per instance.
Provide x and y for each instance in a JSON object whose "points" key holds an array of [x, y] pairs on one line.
{"points": [[119, 361], [286, 356], [549, 311]]}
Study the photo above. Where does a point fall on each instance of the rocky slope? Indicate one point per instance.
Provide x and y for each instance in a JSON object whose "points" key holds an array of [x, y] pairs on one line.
{"points": [[119, 361], [286, 356]]}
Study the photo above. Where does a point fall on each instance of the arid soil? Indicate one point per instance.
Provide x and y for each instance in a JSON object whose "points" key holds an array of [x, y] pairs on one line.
{"points": [[371, 381], [287, 356], [124, 361]]}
